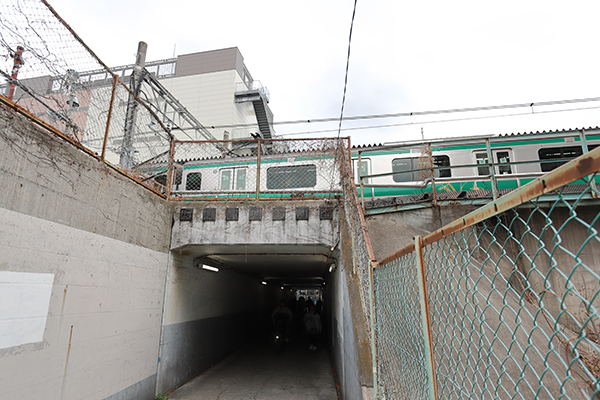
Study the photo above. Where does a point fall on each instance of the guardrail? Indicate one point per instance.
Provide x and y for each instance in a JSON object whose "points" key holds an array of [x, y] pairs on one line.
{"points": [[253, 169]]}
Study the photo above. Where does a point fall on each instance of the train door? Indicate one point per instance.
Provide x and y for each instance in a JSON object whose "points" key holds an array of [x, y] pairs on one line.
{"points": [[233, 179], [362, 170]]}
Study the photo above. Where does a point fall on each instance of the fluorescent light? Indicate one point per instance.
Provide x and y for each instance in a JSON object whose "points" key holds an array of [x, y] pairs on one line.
{"points": [[264, 283], [208, 267]]}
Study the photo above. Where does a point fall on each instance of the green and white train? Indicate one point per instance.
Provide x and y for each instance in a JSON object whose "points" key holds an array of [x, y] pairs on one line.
{"points": [[458, 165], [466, 164]]}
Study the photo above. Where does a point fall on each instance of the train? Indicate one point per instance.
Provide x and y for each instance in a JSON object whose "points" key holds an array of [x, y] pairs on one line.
{"points": [[467, 164], [397, 169]]}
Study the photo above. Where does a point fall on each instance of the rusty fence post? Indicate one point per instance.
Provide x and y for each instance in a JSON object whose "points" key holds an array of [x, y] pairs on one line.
{"points": [[425, 318], [109, 116], [170, 169]]}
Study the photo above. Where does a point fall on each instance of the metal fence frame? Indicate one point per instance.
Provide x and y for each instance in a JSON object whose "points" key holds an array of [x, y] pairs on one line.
{"points": [[581, 167]]}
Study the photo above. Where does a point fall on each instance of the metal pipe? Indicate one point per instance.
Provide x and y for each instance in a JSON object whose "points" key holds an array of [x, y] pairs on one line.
{"points": [[585, 149], [259, 150], [432, 173], [425, 319], [362, 188], [18, 63], [170, 169], [421, 185], [490, 155], [373, 333]]}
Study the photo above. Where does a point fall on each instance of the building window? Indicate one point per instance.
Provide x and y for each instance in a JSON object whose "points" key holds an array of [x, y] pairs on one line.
{"points": [[292, 177]]}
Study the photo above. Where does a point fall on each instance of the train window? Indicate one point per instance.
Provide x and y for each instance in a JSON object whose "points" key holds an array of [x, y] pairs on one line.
{"points": [[482, 159], [226, 179], [557, 153], [442, 161], [364, 170], [193, 181], [404, 166], [292, 176], [230, 176], [240, 179], [502, 157]]}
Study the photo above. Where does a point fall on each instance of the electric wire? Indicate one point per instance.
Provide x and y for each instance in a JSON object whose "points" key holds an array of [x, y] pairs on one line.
{"points": [[420, 113], [436, 121], [347, 68]]}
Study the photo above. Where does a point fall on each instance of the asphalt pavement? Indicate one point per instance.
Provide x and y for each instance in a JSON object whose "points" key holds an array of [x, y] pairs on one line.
{"points": [[260, 371]]}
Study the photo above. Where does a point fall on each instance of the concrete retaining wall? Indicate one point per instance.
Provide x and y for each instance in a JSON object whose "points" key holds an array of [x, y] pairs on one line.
{"points": [[83, 260]]}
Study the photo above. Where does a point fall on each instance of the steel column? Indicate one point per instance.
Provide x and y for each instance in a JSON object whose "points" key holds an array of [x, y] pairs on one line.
{"points": [[425, 318]]}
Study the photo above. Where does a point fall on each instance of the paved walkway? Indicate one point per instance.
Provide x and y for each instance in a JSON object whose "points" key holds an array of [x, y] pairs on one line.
{"points": [[259, 372]]}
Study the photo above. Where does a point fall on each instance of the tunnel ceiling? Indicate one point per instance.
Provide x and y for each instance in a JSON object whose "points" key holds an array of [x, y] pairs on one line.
{"points": [[293, 265]]}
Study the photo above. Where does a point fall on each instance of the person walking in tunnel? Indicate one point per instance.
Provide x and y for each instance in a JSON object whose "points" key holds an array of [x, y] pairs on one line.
{"points": [[312, 327], [282, 317]]}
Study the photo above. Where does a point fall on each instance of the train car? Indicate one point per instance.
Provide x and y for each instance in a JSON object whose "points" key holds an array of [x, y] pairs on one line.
{"points": [[464, 164], [305, 175]]}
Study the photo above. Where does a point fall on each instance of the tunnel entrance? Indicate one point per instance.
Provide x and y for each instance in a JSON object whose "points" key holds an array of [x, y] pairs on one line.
{"points": [[218, 326]]}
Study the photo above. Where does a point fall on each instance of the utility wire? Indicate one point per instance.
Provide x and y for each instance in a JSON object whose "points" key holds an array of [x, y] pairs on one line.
{"points": [[420, 113], [438, 121], [347, 68]]}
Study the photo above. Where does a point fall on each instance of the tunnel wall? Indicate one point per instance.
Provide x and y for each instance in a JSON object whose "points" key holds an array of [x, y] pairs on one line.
{"points": [[83, 260], [208, 315]]}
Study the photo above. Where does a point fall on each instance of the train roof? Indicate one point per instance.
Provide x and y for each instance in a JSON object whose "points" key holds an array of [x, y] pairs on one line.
{"points": [[500, 137]]}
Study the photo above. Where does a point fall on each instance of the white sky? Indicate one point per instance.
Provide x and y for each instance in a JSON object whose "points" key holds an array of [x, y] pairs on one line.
{"points": [[406, 56]]}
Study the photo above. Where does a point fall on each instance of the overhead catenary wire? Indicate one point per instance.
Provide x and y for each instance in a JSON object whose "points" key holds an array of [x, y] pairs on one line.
{"points": [[420, 113], [357, 128]]}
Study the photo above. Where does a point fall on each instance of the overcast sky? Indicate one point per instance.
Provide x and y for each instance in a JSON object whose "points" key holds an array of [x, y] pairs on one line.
{"points": [[406, 56]]}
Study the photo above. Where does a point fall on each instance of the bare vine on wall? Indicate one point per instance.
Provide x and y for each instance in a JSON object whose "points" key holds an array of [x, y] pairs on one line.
{"points": [[47, 154]]}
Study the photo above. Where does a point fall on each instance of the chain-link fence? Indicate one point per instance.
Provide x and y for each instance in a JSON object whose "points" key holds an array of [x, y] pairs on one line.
{"points": [[49, 72], [500, 304], [257, 169], [362, 252]]}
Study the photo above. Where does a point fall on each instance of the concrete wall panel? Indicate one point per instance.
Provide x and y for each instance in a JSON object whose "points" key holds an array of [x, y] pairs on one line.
{"points": [[104, 240], [109, 328]]}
